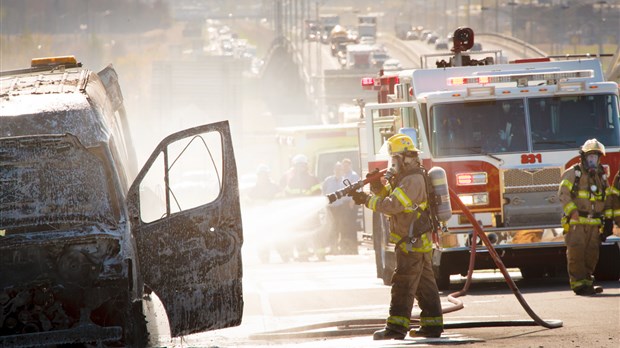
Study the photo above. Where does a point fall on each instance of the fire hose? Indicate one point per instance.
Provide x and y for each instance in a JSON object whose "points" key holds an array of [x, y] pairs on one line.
{"points": [[368, 326]]}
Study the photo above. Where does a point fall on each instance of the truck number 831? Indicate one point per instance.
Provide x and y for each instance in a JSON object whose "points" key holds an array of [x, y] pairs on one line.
{"points": [[531, 158]]}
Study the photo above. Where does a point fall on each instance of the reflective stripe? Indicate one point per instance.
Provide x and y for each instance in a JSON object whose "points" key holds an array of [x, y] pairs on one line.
{"points": [[394, 238], [293, 191], [614, 191], [617, 212], [567, 184], [372, 202], [400, 321], [569, 207], [583, 194], [315, 188], [431, 321], [579, 283], [609, 213], [427, 245], [403, 199], [585, 221], [299, 191]]}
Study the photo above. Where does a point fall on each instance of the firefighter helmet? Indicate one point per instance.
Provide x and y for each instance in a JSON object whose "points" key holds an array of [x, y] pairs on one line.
{"points": [[299, 159], [593, 145], [401, 144]]}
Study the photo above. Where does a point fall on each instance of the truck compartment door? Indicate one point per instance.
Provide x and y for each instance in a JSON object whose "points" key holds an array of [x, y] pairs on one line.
{"points": [[186, 221]]}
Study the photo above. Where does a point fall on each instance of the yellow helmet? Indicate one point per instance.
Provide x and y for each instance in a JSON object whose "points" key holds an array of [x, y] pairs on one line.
{"points": [[400, 144], [593, 145]]}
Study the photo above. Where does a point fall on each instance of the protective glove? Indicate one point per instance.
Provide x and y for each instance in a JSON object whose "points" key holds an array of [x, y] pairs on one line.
{"points": [[608, 229], [375, 184], [390, 173], [359, 197]]}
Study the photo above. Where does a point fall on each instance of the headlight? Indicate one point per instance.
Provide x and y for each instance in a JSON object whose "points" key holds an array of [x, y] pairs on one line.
{"points": [[473, 199]]}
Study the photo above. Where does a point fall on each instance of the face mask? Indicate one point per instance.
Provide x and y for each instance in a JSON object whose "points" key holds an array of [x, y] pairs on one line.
{"points": [[395, 165], [592, 161]]}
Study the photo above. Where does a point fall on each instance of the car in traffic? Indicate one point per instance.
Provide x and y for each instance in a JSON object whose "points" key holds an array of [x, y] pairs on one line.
{"points": [[392, 64], [441, 44], [377, 58], [432, 38], [88, 242]]}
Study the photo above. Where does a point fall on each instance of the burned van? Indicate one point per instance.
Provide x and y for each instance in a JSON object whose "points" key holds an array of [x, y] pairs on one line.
{"points": [[87, 240]]}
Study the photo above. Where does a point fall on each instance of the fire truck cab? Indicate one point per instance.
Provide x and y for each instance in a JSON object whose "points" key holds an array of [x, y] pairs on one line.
{"points": [[504, 134]]}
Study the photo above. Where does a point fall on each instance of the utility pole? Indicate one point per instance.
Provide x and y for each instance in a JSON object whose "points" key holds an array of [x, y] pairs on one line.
{"points": [[496, 16]]}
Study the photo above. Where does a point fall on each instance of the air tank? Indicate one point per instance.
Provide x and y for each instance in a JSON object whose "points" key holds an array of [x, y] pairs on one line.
{"points": [[440, 185]]}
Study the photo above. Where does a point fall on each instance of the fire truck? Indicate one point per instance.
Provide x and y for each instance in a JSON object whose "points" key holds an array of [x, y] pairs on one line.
{"points": [[504, 134], [323, 145]]}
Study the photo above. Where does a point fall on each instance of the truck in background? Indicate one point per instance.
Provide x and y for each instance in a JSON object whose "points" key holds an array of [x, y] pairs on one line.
{"points": [[504, 133], [327, 22], [359, 56], [323, 145], [367, 26], [339, 38]]}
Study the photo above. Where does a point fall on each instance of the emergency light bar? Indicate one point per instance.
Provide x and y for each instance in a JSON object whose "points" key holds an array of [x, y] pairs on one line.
{"points": [[368, 82], [376, 83], [467, 179], [521, 79], [48, 61]]}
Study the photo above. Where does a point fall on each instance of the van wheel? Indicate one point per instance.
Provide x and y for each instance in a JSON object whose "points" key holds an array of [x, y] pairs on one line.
{"points": [[137, 333]]}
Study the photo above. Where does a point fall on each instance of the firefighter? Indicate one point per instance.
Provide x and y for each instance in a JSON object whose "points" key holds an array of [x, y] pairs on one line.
{"points": [[299, 182], [337, 212], [584, 194], [349, 235], [404, 201]]}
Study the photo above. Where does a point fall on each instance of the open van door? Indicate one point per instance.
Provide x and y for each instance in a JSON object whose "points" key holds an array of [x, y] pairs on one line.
{"points": [[186, 221]]}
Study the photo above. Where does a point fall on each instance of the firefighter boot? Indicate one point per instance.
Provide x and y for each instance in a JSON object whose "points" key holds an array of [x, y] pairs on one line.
{"points": [[388, 334], [585, 290], [426, 331]]}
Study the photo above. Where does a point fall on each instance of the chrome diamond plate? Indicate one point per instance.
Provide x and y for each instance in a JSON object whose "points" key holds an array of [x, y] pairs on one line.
{"points": [[532, 180]]}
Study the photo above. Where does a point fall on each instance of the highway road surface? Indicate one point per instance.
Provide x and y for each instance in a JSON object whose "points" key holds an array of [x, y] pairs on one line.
{"points": [[308, 304]]}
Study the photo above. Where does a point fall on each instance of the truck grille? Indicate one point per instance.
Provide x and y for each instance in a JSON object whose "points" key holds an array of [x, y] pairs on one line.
{"points": [[532, 180]]}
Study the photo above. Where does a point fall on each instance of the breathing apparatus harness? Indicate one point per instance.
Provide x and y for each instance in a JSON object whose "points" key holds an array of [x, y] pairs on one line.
{"points": [[593, 189], [427, 221]]}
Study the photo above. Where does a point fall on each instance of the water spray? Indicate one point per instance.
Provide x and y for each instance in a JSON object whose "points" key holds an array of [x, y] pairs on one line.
{"points": [[357, 327]]}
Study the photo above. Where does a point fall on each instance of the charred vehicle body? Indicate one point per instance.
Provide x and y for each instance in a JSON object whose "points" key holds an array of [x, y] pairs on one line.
{"points": [[83, 251]]}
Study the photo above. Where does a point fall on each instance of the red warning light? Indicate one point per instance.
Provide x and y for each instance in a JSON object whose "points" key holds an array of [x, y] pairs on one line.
{"points": [[368, 81]]}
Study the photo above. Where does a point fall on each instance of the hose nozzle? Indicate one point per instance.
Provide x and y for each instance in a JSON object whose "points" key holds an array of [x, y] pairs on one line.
{"points": [[352, 187]]}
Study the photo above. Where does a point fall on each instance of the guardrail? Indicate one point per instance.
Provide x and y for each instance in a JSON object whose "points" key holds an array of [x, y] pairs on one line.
{"points": [[514, 44], [508, 42], [400, 46]]}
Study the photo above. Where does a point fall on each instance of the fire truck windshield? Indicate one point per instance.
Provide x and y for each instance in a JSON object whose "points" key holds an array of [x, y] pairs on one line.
{"points": [[504, 126]]}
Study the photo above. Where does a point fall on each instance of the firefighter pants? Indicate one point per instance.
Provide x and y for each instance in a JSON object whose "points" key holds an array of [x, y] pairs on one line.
{"points": [[413, 278], [341, 230], [582, 249]]}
